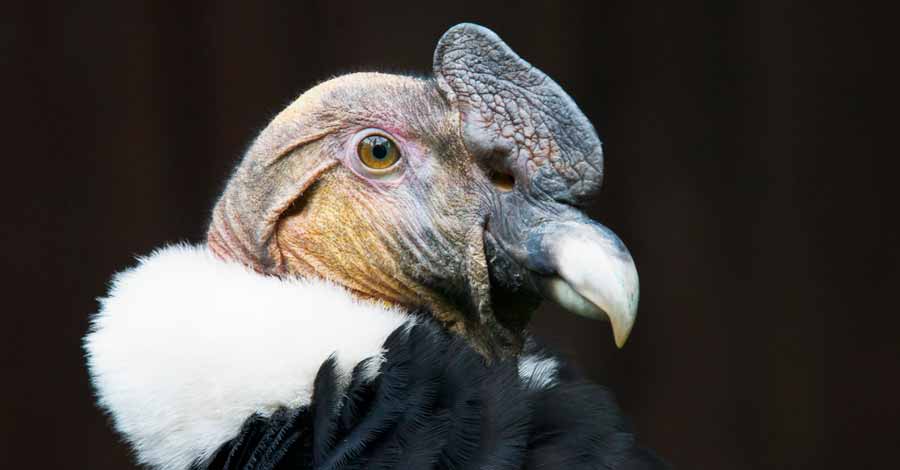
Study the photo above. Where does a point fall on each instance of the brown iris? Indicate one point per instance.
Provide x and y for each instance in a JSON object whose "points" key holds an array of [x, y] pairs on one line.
{"points": [[378, 152]]}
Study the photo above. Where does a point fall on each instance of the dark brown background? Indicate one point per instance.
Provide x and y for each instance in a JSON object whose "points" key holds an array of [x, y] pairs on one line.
{"points": [[741, 171]]}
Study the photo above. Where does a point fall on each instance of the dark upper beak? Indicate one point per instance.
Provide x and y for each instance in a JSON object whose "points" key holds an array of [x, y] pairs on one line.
{"points": [[519, 122]]}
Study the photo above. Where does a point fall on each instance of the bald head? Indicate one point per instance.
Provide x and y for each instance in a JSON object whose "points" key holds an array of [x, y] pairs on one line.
{"points": [[451, 194]]}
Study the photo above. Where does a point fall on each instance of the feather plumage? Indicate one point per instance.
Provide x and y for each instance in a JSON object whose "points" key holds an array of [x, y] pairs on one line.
{"points": [[437, 404]]}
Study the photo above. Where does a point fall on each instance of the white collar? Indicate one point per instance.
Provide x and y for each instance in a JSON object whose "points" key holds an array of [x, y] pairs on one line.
{"points": [[186, 346]]}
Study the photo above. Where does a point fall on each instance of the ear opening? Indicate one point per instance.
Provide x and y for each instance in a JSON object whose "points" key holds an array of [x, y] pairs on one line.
{"points": [[502, 181]]}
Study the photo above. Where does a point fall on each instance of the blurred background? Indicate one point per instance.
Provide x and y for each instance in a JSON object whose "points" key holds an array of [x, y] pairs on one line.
{"points": [[739, 171]]}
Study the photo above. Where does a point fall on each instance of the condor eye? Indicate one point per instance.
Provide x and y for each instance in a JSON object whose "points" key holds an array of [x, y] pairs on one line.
{"points": [[378, 152]]}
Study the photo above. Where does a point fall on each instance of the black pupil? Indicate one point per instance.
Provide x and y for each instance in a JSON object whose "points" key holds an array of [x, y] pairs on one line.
{"points": [[380, 148]]}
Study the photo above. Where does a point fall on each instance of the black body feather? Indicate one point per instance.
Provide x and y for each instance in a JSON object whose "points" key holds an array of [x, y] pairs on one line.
{"points": [[436, 405]]}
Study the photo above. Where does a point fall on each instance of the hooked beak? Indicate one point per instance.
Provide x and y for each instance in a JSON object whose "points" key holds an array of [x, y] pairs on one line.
{"points": [[576, 262], [594, 274]]}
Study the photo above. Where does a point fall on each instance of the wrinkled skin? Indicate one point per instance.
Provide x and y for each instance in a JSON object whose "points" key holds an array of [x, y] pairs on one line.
{"points": [[470, 223], [516, 118], [399, 238]]}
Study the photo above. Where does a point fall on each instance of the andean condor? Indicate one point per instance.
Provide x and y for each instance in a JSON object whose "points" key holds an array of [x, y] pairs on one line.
{"points": [[362, 297]]}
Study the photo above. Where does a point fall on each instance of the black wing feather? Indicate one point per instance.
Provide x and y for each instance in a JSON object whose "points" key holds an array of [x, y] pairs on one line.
{"points": [[436, 404]]}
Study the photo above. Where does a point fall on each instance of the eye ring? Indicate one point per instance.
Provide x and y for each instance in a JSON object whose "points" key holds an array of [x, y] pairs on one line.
{"points": [[378, 153]]}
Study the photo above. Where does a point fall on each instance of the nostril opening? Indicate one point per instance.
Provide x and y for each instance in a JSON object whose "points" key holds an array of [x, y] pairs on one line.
{"points": [[502, 181]]}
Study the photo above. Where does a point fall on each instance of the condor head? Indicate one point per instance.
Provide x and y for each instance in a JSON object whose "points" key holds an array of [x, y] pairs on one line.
{"points": [[455, 194]]}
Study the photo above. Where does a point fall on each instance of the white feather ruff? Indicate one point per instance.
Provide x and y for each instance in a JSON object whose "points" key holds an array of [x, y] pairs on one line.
{"points": [[186, 346]]}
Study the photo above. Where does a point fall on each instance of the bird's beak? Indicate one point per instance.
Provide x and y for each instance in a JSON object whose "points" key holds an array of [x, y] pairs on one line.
{"points": [[572, 260], [590, 273]]}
